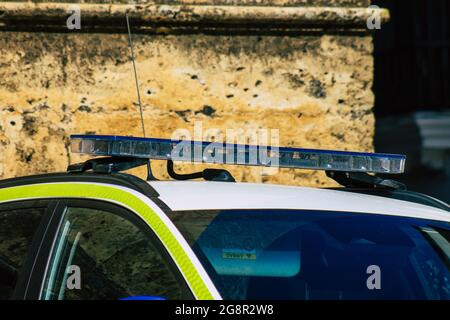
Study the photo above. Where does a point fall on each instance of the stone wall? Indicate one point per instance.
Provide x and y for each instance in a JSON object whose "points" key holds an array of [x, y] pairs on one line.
{"points": [[314, 87]]}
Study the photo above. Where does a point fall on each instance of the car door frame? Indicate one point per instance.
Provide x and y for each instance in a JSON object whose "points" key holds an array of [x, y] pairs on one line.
{"points": [[36, 270], [144, 207]]}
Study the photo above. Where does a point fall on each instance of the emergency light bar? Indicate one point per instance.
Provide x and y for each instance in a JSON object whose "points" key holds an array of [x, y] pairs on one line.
{"points": [[236, 154]]}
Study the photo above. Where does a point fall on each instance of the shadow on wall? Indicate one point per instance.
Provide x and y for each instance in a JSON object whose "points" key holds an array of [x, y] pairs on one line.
{"points": [[412, 86], [425, 139]]}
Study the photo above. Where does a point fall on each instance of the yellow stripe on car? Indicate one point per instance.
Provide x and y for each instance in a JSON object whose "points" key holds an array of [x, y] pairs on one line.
{"points": [[128, 199]]}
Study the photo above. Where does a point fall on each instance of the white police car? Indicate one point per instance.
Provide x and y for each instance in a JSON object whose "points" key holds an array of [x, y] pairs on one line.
{"points": [[96, 233]]}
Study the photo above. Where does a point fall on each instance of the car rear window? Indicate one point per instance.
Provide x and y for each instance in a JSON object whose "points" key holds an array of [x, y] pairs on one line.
{"points": [[313, 255]]}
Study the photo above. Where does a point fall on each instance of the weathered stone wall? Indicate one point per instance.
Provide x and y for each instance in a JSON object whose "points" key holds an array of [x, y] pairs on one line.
{"points": [[314, 88], [316, 3]]}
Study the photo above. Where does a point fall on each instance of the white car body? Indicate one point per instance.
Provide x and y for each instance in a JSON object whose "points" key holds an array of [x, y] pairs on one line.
{"points": [[197, 195]]}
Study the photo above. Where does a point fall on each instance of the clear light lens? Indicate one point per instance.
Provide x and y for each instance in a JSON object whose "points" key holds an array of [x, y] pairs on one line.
{"points": [[205, 152]]}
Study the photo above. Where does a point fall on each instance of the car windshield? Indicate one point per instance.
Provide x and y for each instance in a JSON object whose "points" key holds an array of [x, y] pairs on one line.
{"points": [[312, 255]]}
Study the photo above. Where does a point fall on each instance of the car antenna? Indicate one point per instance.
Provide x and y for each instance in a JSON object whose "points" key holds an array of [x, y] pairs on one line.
{"points": [[149, 168]]}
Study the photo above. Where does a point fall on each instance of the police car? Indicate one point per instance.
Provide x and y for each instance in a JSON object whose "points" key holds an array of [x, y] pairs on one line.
{"points": [[95, 232]]}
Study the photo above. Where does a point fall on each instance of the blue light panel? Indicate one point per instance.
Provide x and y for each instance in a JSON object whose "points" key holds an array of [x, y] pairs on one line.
{"points": [[237, 154]]}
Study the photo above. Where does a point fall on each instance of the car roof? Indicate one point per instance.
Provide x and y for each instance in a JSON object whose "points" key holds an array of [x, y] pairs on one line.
{"points": [[198, 195], [209, 195]]}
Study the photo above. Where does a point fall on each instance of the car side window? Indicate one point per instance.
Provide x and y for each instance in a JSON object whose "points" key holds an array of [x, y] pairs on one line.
{"points": [[101, 254], [18, 225]]}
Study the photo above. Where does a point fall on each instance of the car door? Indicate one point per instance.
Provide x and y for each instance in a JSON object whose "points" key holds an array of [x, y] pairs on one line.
{"points": [[59, 245]]}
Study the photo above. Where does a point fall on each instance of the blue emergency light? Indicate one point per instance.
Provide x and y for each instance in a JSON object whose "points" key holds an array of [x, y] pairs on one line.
{"points": [[236, 154]]}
